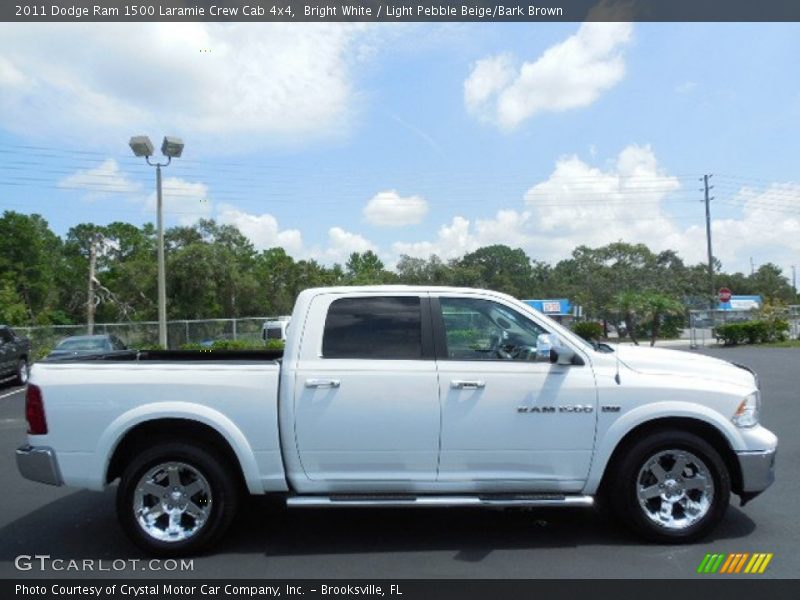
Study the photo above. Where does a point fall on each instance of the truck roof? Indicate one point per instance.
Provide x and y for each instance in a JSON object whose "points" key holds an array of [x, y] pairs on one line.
{"points": [[382, 289]]}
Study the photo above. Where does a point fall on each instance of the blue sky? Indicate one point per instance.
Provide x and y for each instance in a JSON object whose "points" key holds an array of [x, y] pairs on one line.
{"points": [[415, 138]]}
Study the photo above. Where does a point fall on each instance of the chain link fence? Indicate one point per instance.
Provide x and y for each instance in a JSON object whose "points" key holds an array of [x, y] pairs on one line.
{"points": [[703, 322], [144, 334]]}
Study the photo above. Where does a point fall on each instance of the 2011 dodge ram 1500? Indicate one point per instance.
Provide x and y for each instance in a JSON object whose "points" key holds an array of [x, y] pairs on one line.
{"points": [[402, 397]]}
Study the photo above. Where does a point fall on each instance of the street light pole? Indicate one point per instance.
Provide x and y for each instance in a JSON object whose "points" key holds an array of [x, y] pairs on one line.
{"points": [[162, 276], [172, 147]]}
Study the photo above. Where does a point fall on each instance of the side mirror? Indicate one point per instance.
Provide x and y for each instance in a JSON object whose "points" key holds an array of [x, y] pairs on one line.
{"points": [[562, 356], [549, 346]]}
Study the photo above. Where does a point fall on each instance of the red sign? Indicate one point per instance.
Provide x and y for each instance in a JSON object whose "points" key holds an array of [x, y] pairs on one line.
{"points": [[724, 295]]}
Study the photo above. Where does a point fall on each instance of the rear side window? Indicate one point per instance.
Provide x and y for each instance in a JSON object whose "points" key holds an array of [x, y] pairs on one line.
{"points": [[374, 327]]}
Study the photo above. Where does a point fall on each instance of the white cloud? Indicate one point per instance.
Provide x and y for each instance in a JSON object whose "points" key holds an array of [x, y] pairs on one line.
{"points": [[10, 76], [596, 206], [768, 229], [104, 179], [122, 79], [392, 210], [186, 201], [571, 74], [628, 199], [262, 230], [576, 204], [460, 236], [265, 232], [488, 78], [341, 244]]}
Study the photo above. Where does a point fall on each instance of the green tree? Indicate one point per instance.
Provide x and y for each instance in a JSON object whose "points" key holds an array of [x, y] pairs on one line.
{"points": [[12, 309], [420, 271], [495, 267], [275, 274], [769, 282], [629, 307], [365, 268], [29, 260], [655, 307]]}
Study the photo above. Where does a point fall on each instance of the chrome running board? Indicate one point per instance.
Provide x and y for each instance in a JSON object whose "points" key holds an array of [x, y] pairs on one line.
{"points": [[430, 501]]}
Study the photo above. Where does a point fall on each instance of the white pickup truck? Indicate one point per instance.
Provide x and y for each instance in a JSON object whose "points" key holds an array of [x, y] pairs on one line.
{"points": [[395, 396]]}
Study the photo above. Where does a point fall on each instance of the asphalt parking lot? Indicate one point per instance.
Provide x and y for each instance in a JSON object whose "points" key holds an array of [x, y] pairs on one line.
{"points": [[269, 541]]}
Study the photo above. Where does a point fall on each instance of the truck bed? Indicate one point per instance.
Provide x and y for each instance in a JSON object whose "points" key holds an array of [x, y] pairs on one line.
{"points": [[92, 401]]}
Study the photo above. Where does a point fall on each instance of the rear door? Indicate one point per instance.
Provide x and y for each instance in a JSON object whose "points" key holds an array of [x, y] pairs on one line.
{"points": [[366, 395]]}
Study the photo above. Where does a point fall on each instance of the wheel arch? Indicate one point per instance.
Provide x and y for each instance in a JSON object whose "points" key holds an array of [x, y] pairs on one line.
{"points": [[173, 429], [702, 429]]}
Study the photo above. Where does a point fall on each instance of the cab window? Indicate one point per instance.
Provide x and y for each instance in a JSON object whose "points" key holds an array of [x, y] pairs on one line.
{"points": [[477, 329], [373, 327]]}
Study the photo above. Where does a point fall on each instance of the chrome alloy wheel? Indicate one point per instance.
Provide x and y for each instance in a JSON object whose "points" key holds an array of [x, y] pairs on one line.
{"points": [[675, 489], [172, 502]]}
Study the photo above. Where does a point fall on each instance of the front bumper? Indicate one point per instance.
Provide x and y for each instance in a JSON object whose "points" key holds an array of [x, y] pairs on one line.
{"points": [[758, 472], [39, 463]]}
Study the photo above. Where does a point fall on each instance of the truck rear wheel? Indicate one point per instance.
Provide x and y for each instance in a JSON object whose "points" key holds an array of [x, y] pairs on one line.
{"points": [[176, 498], [671, 487]]}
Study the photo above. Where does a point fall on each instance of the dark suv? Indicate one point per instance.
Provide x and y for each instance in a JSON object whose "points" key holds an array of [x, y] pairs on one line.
{"points": [[15, 355]]}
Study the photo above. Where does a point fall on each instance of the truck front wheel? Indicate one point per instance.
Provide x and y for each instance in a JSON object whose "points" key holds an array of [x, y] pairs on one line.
{"points": [[671, 487], [176, 498]]}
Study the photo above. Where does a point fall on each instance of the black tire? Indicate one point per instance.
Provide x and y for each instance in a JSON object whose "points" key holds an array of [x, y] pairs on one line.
{"points": [[22, 372], [632, 474], [221, 501]]}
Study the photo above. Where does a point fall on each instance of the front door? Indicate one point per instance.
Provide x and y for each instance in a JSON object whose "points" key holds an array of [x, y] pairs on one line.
{"points": [[510, 418]]}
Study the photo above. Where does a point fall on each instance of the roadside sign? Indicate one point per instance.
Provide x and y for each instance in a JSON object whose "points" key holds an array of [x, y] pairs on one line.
{"points": [[725, 295]]}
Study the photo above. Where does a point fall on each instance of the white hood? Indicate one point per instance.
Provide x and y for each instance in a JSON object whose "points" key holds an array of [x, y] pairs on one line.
{"points": [[660, 361]]}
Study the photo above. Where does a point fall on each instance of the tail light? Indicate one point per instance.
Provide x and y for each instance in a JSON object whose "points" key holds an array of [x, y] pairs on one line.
{"points": [[34, 411]]}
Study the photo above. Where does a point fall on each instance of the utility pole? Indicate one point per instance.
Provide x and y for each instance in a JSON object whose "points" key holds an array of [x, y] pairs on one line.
{"points": [[90, 298], [708, 199], [794, 279], [752, 267]]}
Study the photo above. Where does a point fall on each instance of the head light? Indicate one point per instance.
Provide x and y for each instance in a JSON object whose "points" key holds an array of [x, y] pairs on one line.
{"points": [[747, 413]]}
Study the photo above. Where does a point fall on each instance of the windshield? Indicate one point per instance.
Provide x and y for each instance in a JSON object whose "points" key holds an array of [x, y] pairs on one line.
{"points": [[83, 344]]}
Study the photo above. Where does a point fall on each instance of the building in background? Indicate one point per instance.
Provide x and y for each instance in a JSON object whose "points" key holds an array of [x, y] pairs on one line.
{"points": [[559, 309], [741, 303]]}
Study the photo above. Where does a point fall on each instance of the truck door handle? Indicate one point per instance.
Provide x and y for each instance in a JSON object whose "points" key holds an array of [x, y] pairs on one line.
{"points": [[458, 384], [323, 383]]}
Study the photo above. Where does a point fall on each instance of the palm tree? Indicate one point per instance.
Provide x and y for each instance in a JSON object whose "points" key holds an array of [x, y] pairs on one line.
{"points": [[655, 307], [629, 305]]}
